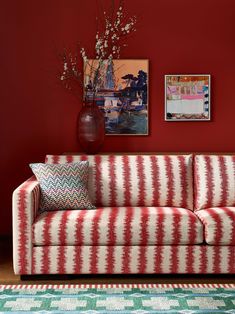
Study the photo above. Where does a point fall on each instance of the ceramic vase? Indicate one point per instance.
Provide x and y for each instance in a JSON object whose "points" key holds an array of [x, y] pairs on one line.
{"points": [[91, 127]]}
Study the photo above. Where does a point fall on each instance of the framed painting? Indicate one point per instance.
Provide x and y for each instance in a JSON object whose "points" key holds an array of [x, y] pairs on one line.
{"points": [[120, 90], [187, 97]]}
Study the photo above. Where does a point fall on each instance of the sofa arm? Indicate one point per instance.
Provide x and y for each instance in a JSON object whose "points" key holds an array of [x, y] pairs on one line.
{"points": [[25, 204]]}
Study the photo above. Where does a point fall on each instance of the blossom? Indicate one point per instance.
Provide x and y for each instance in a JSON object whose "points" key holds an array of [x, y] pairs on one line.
{"points": [[108, 43]]}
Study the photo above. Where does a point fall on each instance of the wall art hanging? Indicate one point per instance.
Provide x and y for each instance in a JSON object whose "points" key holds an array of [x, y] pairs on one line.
{"points": [[121, 93], [187, 97]]}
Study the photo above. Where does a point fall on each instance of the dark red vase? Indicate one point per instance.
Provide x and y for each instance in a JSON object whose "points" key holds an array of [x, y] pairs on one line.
{"points": [[91, 127]]}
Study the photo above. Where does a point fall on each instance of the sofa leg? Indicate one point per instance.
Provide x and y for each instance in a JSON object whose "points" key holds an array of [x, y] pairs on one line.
{"points": [[24, 277]]}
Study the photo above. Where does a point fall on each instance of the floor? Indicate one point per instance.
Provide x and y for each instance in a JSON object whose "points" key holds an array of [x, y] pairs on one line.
{"points": [[7, 275]]}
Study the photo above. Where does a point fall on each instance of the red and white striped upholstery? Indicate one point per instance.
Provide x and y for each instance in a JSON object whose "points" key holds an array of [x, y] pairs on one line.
{"points": [[142, 223], [25, 204], [118, 226], [219, 224], [141, 180], [162, 259], [214, 181]]}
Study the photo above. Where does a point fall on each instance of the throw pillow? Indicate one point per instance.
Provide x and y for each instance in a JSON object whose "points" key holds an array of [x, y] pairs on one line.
{"points": [[63, 186]]}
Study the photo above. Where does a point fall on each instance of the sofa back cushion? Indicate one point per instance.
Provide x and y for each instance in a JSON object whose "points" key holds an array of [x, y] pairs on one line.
{"points": [[137, 180], [214, 178]]}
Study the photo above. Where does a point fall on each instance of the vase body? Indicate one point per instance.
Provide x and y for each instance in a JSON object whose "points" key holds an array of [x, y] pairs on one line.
{"points": [[91, 128]]}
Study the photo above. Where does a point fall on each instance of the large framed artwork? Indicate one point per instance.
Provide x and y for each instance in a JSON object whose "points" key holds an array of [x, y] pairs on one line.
{"points": [[121, 93], [187, 97]]}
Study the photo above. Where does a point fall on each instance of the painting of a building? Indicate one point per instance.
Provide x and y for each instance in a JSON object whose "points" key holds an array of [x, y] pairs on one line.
{"points": [[120, 89]]}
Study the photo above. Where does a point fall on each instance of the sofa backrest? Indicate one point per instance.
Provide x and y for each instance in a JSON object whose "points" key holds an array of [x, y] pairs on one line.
{"points": [[214, 177], [137, 180]]}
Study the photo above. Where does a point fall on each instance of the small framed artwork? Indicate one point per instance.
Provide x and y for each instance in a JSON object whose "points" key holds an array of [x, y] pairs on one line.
{"points": [[121, 93], [187, 97]]}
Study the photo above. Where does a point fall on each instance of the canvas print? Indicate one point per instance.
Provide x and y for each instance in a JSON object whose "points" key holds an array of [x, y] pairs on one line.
{"points": [[187, 97], [121, 94]]}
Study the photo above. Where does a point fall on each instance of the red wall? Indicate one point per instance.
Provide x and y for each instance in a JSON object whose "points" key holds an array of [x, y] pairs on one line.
{"points": [[38, 116]]}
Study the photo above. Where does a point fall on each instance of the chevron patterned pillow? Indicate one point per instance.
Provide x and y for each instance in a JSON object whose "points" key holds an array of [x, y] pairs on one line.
{"points": [[63, 186]]}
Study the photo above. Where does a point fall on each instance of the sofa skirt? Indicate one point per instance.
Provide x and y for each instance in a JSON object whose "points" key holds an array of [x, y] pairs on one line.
{"points": [[194, 259]]}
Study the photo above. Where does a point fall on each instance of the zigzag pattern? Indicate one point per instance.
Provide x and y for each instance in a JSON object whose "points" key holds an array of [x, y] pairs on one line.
{"points": [[63, 186]]}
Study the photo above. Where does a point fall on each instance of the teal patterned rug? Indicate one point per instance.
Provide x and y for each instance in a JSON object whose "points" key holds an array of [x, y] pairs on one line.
{"points": [[127, 298]]}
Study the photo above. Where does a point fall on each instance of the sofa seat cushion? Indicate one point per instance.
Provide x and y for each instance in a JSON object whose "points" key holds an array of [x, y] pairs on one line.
{"points": [[219, 224], [118, 226]]}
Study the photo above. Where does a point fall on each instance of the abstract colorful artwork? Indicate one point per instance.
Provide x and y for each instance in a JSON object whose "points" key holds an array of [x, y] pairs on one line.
{"points": [[121, 92], [187, 97]]}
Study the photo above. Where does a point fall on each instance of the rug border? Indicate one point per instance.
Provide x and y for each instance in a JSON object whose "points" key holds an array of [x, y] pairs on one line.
{"points": [[105, 286]]}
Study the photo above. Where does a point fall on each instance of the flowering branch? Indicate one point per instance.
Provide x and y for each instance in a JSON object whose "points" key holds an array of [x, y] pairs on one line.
{"points": [[116, 27]]}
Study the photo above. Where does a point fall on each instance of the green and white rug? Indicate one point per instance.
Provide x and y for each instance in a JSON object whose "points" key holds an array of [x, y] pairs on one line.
{"points": [[122, 298]]}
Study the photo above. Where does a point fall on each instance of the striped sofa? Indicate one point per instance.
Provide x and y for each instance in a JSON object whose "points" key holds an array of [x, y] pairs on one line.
{"points": [[154, 214]]}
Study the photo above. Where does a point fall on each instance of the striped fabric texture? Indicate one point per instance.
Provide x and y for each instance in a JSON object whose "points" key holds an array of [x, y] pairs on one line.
{"points": [[25, 203], [63, 186], [162, 259], [219, 224], [141, 180], [118, 226], [214, 181], [137, 237]]}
